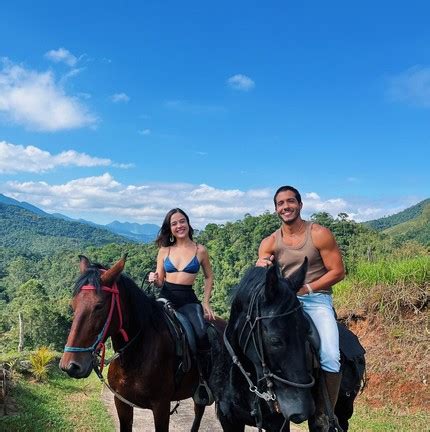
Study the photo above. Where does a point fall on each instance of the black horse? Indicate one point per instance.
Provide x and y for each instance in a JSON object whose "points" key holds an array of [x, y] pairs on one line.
{"points": [[263, 374]]}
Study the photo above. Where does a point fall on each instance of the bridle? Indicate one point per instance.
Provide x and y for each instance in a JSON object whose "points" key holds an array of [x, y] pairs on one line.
{"points": [[97, 349], [99, 345], [255, 332]]}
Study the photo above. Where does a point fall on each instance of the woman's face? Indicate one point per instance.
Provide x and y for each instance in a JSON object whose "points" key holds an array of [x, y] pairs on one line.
{"points": [[179, 225]]}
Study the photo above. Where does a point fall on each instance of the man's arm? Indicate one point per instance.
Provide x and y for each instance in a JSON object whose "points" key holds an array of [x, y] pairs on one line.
{"points": [[266, 252], [325, 242]]}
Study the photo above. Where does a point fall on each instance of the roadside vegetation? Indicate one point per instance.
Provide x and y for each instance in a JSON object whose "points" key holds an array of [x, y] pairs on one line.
{"points": [[57, 404]]}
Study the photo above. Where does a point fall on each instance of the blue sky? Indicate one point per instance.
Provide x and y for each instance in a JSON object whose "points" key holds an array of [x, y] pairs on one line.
{"points": [[112, 111]]}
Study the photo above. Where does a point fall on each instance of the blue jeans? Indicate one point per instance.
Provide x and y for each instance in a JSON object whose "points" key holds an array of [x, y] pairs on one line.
{"points": [[319, 307]]}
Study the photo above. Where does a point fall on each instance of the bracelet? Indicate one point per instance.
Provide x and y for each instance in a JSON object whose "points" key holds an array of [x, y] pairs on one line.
{"points": [[310, 290]]}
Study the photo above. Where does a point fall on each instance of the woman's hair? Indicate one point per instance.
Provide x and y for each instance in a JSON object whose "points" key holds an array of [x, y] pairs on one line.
{"points": [[165, 234]]}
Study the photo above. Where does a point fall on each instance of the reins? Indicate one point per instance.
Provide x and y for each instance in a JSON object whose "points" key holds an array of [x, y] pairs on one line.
{"points": [[97, 349], [255, 333]]}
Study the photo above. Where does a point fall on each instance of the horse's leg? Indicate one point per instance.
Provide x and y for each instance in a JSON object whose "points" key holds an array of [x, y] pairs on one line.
{"points": [[344, 410], [161, 412], [125, 415], [198, 414], [229, 426]]}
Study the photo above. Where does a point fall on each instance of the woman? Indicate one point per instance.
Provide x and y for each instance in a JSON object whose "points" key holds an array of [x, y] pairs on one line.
{"points": [[178, 262]]}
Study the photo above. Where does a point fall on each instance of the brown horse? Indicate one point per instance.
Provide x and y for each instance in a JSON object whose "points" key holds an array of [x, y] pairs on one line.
{"points": [[109, 304]]}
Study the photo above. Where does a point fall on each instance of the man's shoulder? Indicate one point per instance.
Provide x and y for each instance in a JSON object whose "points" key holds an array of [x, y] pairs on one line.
{"points": [[270, 239], [320, 234], [317, 228]]}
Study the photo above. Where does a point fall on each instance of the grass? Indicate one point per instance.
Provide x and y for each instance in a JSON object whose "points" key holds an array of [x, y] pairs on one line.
{"points": [[60, 404], [386, 287], [367, 419]]}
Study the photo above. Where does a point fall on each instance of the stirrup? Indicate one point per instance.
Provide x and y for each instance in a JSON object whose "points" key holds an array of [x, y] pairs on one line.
{"points": [[203, 394]]}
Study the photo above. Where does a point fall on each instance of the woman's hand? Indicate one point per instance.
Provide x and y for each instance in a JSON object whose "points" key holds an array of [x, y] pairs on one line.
{"points": [[208, 312], [153, 277]]}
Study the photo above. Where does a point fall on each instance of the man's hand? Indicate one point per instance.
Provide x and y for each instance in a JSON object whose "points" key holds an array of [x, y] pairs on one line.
{"points": [[265, 261]]}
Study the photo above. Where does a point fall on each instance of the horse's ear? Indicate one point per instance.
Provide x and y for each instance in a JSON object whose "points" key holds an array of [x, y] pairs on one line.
{"points": [[84, 263], [109, 276], [272, 281], [298, 277]]}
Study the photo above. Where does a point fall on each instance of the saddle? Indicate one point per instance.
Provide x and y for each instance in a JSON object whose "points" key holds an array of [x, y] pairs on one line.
{"points": [[182, 334], [352, 357]]}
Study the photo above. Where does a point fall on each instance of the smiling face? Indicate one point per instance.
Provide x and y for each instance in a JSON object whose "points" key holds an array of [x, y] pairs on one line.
{"points": [[287, 206], [179, 226]]}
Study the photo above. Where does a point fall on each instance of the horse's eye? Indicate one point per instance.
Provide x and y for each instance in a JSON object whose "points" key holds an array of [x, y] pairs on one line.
{"points": [[275, 341], [99, 306]]}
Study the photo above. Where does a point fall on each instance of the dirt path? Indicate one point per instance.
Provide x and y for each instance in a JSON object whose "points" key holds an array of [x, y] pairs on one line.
{"points": [[180, 422]]}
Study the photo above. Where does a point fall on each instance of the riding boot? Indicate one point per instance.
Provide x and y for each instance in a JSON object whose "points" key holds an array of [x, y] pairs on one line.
{"points": [[332, 381], [203, 395], [329, 388]]}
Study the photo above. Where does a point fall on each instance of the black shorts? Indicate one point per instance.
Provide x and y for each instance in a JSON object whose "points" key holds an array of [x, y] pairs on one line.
{"points": [[179, 295]]}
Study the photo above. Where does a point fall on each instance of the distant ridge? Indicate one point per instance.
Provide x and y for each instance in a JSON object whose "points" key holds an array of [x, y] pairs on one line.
{"points": [[29, 232], [412, 223], [398, 218], [10, 201], [142, 233]]}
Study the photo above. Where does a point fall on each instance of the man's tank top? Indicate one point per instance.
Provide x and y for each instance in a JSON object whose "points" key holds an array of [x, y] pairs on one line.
{"points": [[290, 258]]}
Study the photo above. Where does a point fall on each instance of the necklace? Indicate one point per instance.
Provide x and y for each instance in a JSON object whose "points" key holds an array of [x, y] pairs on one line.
{"points": [[296, 234]]}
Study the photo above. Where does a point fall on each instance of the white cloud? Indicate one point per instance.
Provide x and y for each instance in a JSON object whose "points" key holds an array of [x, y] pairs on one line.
{"points": [[204, 192], [35, 100], [411, 86], [17, 158], [103, 199], [120, 97], [312, 196], [144, 132], [62, 55], [241, 82]]}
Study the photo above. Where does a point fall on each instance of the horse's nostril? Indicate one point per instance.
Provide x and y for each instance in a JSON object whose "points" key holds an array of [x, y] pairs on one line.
{"points": [[73, 369], [298, 418]]}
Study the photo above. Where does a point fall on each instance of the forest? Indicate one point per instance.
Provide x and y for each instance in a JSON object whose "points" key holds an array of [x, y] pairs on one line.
{"points": [[38, 269]]}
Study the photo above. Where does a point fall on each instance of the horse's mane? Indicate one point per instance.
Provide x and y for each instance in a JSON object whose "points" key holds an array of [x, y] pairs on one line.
{"points": [[144, 308], [255, 280]]}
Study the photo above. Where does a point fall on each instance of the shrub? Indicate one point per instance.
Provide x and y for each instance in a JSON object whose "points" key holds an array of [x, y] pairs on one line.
{"points": [[40, 362]]}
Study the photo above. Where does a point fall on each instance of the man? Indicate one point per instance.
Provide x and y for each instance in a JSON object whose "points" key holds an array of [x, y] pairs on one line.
{"points": [[289, 245]]}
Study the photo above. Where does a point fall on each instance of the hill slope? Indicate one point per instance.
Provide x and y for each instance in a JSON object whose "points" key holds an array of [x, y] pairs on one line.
{"points": [[398, 218], [142, 233], [417, 229], [412, 223], [28, 232]]}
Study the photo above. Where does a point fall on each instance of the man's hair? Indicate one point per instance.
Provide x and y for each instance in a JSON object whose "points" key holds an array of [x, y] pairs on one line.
{"points": [[288, 188]]}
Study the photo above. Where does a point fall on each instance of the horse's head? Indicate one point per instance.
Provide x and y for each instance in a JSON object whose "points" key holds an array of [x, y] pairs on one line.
{"points": [[271, 334], [96, 315]]}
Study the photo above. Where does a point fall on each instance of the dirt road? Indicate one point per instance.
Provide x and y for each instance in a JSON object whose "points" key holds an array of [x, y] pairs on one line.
{"points": [[180, 422]]}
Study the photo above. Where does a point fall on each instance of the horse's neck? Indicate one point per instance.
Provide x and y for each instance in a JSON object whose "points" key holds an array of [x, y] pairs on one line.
{"points": [[144, 335]]}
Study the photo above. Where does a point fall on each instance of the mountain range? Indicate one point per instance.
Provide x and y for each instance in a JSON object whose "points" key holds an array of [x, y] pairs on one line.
{"points": [[29, 229], [141, 233]]}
